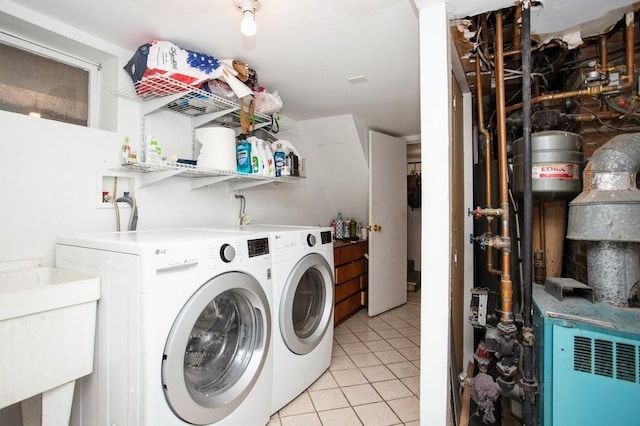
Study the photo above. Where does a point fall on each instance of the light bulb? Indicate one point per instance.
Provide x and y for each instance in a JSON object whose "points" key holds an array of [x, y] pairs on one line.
{"points": [[248, 25]]}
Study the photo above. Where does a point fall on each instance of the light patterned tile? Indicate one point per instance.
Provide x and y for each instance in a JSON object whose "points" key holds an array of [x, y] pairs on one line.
{"points": [[416, 423], [337, 350], [377, 326], [404, 369], [301, 405], [398, 323], [400, 343], [341, 363], [349, 377], [361, 394], [376, 414], [378, 346], [355, 348], [365, 360], [346, 338], [310, 419], [415, 339], [412, 353], [416, 363], [377, 373], [358, 327], [391, 356], [274, 422], [326, 381], [392, 389], [389, 334], [409, 331], [339, 417], [408, 409], [328, 399], [368, 336], [341, 329], [413, 383]]}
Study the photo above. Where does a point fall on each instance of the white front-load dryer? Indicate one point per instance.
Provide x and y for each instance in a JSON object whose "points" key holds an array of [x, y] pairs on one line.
{"points": [[303, 297], [183, 328]]}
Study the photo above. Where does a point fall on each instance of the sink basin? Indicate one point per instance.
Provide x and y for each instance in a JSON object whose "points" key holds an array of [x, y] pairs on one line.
{"points": [[47, 330]]}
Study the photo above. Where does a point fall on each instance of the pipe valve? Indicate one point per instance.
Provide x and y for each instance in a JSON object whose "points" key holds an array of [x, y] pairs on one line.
{"points": [[489, 212]]}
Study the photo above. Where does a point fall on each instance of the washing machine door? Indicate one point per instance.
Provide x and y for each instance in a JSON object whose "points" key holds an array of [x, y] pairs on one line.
{"points": [[306, 307], [217, 348]]}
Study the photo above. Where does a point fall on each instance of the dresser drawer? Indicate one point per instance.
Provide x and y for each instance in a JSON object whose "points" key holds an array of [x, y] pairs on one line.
{"points": [[348, 288], [350, 270], [349, 252], [346, 308]]}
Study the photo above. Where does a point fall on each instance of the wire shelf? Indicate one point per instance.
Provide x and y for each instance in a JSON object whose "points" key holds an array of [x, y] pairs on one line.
{"points": [[203, 176], [162, 92]]}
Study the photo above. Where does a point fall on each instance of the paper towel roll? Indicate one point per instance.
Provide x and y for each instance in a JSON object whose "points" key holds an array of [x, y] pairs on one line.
{"points": [[218, 149]]}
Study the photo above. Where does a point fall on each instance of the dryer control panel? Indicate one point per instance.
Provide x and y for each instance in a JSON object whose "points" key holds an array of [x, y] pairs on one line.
{"points": [[258, 247]]}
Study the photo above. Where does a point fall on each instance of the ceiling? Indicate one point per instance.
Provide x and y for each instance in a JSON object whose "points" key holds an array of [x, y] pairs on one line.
{"points": [[307, 50]]}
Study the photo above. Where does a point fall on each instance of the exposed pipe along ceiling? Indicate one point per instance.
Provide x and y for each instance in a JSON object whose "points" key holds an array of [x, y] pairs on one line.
{"points": [[541, 110]]}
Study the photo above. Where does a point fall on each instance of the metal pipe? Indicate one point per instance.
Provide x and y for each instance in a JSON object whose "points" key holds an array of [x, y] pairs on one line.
{"points": [[506, 286], [629, 78], [607, 215], [487, 164], [528, 378], [602, 40]]}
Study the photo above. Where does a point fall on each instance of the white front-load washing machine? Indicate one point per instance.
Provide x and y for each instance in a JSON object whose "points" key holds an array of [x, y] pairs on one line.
{"points": [[183, 328], [302, 310]]}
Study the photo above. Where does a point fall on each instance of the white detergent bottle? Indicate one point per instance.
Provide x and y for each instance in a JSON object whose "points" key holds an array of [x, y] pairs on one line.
{"points": [[256, 163], [264, 168], [270, 161]]}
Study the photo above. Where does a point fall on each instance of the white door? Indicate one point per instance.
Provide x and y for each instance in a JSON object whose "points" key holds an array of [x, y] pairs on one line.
{"points": [[388, 221]]}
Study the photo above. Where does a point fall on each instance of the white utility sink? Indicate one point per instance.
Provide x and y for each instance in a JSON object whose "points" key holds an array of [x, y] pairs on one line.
{"points": [[47, 333]]}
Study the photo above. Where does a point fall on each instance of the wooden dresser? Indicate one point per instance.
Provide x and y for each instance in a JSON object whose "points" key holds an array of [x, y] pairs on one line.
{"points": [[350, 278]]}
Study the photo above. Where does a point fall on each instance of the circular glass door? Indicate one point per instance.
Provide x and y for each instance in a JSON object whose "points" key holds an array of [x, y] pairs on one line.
{"points": [[216, 349], [306, 308]]}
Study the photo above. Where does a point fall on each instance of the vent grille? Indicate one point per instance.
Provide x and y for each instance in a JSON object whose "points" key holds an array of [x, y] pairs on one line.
{"points": [[582, 354], [625, 362], [606, 358]]}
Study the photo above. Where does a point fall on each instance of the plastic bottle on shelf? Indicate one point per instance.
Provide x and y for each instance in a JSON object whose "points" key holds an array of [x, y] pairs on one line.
{"points": [[255, 156], [243, 155], [262, 167], [339, 227], [126, 151], [152, 150], [279, 158], [271, 167]]}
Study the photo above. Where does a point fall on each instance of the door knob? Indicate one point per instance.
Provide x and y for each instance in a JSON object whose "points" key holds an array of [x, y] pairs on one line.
{"points": [[374, 228]]}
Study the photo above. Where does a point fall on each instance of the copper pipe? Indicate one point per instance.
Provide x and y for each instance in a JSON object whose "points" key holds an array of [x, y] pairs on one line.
{"points": [[600, 115], [487, 164], [600, 89], [506, 286], [517, 17], [603, 52]]}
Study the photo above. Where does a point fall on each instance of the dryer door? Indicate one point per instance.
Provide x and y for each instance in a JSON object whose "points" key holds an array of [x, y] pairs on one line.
{"points": [[306, 307], [217, 348]]}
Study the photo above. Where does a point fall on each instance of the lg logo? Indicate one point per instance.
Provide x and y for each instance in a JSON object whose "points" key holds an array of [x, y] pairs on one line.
{"points": [[161, 251]]}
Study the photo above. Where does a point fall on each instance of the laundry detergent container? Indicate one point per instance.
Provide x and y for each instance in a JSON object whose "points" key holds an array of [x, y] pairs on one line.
{"points": [[47, 330], [556, 169], [218, 149]]}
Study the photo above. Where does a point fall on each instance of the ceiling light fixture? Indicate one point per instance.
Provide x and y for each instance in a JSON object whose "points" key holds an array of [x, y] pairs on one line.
{"points": [[248, 9]]}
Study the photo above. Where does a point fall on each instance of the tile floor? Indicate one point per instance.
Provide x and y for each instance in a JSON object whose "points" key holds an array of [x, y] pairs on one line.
{"points": [[374, 377]]}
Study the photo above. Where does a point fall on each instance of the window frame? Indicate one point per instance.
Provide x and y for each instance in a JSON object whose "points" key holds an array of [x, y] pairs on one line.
{"points": [[55, 54]]}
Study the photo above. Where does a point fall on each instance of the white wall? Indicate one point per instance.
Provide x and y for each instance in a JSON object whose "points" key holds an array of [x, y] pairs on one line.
{"points": [[338, 146]]}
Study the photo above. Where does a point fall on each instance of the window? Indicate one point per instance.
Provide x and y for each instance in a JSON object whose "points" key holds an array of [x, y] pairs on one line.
{"points": [[41, 82]]}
